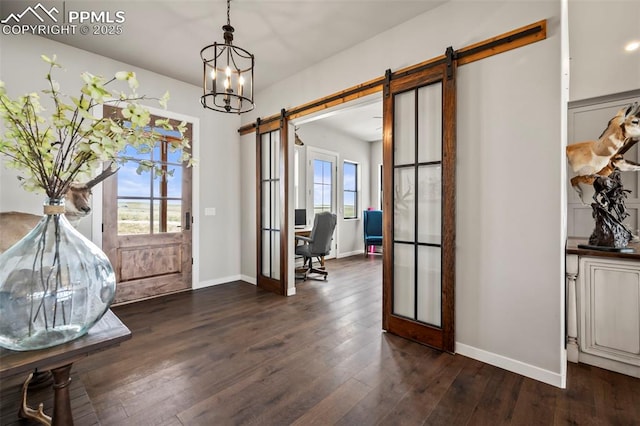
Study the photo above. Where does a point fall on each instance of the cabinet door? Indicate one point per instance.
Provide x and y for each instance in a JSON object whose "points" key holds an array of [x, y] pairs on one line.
{"points": [[609, 302]]}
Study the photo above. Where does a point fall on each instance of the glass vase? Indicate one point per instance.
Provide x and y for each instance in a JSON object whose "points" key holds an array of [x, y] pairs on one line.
{"points": [[54, 284]]}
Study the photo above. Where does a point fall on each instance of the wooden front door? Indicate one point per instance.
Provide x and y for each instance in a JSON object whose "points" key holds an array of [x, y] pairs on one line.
{"points": [[147, 223], [419, 205], [272, 205]]}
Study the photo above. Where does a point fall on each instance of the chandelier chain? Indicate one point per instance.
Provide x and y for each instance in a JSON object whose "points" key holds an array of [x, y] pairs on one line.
{"points": [[228, 12]]}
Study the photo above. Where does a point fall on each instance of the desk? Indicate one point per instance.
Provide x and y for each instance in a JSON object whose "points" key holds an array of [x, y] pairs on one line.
{"points": [[108, 332], [303, 232]]}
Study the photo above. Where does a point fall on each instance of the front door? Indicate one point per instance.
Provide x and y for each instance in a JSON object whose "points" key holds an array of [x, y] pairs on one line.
{"points": [[419, 201], [147, 223]]}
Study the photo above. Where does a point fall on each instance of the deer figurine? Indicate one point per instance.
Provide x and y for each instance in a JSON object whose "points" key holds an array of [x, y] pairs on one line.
{"points": [[15, 225], [591, 159]]}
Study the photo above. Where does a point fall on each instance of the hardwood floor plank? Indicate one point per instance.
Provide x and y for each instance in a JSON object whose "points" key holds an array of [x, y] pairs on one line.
{"points": [[334, 406], [392, 378], [420, 401], [578, 404], [234, 354], [536, 404], [498, 399]]}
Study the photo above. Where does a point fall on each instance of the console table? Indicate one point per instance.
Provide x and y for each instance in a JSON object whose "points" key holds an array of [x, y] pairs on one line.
{"points": [[108, 332], [603, 308]]}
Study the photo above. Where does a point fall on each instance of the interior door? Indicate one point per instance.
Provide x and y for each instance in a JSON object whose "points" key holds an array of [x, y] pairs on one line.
{"points": [[419, 189], [322, 187], [272, 204], [147, 222]]}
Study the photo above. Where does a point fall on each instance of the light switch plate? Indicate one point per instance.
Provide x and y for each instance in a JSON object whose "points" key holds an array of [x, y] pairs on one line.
{"points": [[210, 211]]}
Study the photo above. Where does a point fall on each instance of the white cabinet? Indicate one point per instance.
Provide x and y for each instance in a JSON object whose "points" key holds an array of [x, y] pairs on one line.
{"points": [[603, 311]]}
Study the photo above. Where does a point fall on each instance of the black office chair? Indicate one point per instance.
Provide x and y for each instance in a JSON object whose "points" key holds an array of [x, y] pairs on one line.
{"points": [[317, 245]]}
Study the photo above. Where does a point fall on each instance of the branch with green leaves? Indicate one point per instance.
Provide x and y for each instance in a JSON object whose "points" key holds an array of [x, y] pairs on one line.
{"points": [[52, 151]]}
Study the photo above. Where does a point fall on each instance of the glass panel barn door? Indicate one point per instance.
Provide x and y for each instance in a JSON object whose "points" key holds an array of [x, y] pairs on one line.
{"points": [[419, 178], [271, 202]]}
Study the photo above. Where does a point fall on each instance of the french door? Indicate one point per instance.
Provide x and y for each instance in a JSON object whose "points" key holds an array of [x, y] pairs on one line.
{"points": [[272, 204], [419, 188]]}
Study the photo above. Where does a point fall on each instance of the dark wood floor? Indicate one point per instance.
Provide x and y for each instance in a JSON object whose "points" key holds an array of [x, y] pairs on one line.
{"points": [[233, 354]]}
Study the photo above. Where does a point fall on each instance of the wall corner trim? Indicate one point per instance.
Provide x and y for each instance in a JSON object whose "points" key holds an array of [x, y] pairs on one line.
{"points": [[515, 366]]}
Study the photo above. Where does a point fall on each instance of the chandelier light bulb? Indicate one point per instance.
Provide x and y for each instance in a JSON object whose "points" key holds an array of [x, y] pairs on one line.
{"points": [[228, 71], [631, 46], [241, 80], [213, 74]]}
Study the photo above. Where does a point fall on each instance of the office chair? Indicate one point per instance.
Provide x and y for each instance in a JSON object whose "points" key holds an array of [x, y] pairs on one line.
{"points": [[372, 227], [318, 244]]}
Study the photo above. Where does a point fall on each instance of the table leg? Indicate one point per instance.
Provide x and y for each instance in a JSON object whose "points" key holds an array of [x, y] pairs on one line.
{"points": [[61, 402]]}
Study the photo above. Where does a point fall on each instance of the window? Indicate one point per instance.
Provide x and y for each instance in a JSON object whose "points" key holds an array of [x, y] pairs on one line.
{"points": [[322, 186], [350, 198], [150, 202]]}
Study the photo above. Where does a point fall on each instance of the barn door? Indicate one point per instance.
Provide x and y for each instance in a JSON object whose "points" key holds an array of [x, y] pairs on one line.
{"points": [[272, 237], [419, 187]]}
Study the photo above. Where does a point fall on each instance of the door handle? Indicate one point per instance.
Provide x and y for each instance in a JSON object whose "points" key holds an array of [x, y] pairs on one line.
{"points": [[187, 221]]}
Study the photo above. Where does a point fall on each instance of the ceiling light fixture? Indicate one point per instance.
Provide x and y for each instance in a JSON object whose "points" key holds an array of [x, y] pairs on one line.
{"points": [[631, 46], [227, 80]]}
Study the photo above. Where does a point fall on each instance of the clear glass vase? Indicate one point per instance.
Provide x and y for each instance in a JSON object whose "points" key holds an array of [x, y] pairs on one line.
{"points": [[54, 284]]}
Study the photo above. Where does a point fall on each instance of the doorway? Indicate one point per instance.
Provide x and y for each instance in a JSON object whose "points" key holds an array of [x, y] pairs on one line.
{"points": [[322, 177]]}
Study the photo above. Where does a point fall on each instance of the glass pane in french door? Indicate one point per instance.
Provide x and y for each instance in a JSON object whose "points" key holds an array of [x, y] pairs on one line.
{"points": [[404, 204], [417, 203], [404, 278], [430, 123], [404, 128], [270, 209], [430, 204], [429, 288]]}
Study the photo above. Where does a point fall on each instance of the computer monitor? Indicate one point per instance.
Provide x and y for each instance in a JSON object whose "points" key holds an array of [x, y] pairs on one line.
{"points": [[301, 217]]}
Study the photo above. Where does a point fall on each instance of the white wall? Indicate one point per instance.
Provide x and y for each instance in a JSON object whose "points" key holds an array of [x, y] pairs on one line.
{"points": [[315, 135], [248, 237], [218, 152], [510, 258], [599, 30]]}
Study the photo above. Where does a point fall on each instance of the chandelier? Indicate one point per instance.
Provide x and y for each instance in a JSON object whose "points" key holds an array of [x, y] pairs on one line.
{"points": [[227, 80]]}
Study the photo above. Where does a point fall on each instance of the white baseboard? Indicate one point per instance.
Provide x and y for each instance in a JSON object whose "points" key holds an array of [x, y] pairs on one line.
{"points": [[350, 253], [519, 367], [217, 281], [248, 279], [609, 364]]}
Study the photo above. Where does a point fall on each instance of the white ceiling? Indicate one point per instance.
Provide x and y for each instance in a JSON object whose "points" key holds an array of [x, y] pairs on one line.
{"points": [[286, 36], [360, 119]]}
